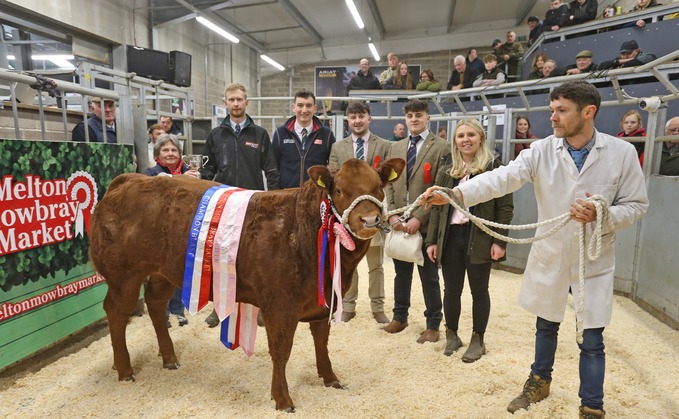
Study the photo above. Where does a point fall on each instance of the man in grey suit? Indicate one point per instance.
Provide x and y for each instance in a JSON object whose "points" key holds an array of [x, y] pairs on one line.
{"points": [[424, 153], [363, 145]]}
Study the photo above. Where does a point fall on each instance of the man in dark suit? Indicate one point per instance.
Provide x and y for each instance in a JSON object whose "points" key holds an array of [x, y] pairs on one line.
{"points": [[363, 145], [424, 153]]}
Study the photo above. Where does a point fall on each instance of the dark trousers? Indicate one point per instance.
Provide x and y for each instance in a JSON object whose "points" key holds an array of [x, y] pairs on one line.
{"points": [[592, 360], [175, 305], [454, 263], [431, 289]]}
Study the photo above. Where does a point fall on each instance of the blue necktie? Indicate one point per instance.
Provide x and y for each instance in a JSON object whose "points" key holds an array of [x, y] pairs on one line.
{"points": [[412, 154], [237, 129], [359, 148], [579, 157]]}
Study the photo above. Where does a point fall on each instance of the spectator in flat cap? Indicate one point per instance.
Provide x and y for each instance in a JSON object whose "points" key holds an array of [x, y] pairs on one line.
{"points": [[583, 63], [535, 27], [630, 56]]}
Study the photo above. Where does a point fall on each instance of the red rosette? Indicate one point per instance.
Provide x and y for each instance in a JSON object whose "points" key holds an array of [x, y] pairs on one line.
{"points": [[344, 237], [427, 173], [82, 188], [376, 162]]}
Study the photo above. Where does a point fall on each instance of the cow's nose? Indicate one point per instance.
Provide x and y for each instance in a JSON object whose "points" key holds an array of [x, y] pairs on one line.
{"points": [[370, 221]]}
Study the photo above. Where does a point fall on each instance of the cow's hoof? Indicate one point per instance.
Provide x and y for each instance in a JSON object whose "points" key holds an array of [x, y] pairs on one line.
{"points": [[128, 378], [335, 384], [171, 365]]}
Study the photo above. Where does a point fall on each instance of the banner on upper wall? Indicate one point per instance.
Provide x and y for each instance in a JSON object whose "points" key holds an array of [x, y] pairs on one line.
{"points": [[48, 192], [333, 81]]}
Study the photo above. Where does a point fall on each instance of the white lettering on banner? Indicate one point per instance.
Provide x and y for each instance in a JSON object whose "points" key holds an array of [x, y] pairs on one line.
{"points": [[40, 212], [9, 310]]}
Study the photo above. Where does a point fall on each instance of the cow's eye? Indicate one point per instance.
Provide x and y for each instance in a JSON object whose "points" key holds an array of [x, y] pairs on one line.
{"points": [[338, 191]]}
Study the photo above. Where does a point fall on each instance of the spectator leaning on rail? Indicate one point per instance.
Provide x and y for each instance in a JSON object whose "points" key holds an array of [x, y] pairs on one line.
{"points": [[462, 77], [428, 82], [536, 69], [640, 7], [582, 11], [393, 61], [510, 53], [535, 27], [565, 168], [493, 75], [669, 162], [630, 56], [556, 17], [94, 124], [583, 63], [364, 79], [401, 80]]}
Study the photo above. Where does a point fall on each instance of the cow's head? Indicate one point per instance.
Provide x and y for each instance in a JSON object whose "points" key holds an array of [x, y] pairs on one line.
{"points": [[358, 185]]}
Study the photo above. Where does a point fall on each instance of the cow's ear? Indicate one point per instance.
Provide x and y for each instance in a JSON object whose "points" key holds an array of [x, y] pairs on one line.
{"points": [[320, 176], [391, 170]]}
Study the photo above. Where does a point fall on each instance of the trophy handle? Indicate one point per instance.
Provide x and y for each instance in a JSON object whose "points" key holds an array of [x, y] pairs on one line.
{"points": [[205, 160]]}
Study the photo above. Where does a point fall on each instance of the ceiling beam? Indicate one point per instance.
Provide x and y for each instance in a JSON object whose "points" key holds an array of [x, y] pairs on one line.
{"points": [[245, 38], [451, 15], [522, 14], [301, 20], [377, 17]]}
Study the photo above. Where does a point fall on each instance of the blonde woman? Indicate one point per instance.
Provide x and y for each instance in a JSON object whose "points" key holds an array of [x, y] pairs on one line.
{"points": [[460, 247]]}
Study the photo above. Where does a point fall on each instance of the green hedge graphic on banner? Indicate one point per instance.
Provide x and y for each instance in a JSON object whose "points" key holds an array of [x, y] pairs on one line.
{"points": [[48, 191]]}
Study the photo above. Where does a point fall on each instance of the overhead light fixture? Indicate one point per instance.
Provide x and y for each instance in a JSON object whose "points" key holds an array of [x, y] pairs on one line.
{"points": [[272, 62], [222, 32], [60, 60], [374, 51], [354, 13]]}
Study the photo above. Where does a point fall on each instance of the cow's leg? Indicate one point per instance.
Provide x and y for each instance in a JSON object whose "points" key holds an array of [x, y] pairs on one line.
{"points": [[280, 334], [119, 304], [320, 330], [157, 293]]}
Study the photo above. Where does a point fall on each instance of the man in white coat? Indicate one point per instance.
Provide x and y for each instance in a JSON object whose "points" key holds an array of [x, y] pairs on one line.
{"points": [[566, 168]]}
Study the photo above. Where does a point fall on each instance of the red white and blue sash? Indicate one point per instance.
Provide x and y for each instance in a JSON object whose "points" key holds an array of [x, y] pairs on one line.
{"points": [[211, 257]]}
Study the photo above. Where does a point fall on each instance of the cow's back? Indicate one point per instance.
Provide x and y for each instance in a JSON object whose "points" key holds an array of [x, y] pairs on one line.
{"points": [[142, 225]]}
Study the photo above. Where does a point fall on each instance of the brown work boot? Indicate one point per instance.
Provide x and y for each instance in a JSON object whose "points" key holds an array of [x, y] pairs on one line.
{"points": [[535, 389], [588, 413], [453, 342], [380, 317], [395, 326], [348, 315], [475, 350], [429, 335]]}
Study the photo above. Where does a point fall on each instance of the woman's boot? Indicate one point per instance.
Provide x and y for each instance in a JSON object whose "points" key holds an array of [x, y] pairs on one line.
{"points": [[453, 342], [476, 349]]}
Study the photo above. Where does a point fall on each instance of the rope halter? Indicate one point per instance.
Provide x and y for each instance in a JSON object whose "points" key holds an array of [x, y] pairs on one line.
{"points": [[344, 218]]}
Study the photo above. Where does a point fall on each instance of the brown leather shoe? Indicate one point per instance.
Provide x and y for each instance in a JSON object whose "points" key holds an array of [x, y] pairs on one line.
{"points": [[380, 317], [348, 315], [429, 335], [395, 326]]}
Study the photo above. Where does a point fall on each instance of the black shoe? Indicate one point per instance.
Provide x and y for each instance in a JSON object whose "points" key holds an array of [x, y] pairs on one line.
{"points": [[183, 321]]}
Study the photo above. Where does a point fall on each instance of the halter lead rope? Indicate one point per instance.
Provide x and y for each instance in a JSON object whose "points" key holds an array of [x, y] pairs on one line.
{"points": [[344, 218], [593, 248]]}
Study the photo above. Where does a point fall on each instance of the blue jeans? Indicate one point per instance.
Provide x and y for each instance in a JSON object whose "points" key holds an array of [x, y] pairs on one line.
{"points": [[592, 360], [175, 305], [431, 288]]}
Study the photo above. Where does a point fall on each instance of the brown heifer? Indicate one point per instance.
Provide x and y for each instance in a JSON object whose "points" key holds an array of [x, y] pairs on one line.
{"points": [[141, 227]]}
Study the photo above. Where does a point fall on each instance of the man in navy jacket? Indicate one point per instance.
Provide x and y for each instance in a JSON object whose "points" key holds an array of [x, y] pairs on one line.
{"points": [[301, 142]]}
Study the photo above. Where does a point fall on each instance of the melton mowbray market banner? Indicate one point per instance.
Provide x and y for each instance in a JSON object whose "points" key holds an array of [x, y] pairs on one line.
{"points": [[48, 192]]}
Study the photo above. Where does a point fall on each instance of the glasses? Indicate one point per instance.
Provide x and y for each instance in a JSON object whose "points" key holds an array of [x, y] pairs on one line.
{"points": [[673, 130]]}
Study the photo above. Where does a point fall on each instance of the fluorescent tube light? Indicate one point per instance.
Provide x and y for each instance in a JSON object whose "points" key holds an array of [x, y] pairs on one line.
{"points": [[272, 62], [60, 60], [374, 51], [217, 29], [354, 13]]}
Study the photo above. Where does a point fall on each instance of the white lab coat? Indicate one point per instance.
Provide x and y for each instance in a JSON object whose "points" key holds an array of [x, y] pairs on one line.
{"points": [[612, 170]]}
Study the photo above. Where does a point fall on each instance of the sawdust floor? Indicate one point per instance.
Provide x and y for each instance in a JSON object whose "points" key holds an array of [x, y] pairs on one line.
{"points": [[386, 376]]}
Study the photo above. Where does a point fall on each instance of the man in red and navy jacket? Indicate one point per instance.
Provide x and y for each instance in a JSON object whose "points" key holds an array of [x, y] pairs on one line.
{"points": [[303, 141]]}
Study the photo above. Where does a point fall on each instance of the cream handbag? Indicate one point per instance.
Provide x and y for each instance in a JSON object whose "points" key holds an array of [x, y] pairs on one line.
{"points": [[403, 246]]}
